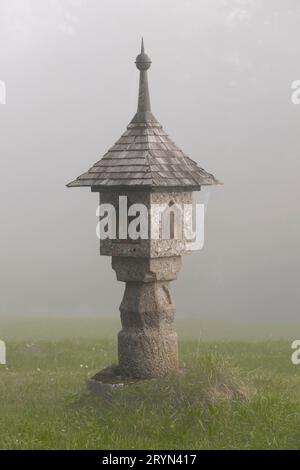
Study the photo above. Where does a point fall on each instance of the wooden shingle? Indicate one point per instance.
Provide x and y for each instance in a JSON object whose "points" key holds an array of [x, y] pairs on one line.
{"points": [[145, 156]]}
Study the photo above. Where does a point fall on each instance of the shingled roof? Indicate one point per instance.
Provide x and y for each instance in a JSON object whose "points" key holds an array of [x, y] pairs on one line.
{"points": [[145, 156]]}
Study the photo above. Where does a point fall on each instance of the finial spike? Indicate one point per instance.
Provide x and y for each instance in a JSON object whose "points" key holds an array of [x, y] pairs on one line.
{"points": [[143, 63]]}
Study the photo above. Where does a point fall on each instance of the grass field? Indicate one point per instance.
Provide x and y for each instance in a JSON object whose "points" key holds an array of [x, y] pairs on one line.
{"points": [[235, 395]]}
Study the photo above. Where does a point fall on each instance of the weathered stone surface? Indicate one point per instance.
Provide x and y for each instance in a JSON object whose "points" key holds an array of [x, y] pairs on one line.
{"points": [[170, 247], [128, 248], [149, 248], [146, 269], [147, 344], [148, 168], [147, 354]]}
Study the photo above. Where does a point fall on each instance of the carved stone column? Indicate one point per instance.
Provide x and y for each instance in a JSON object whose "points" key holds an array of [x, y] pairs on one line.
{"points": [[147, 343]]}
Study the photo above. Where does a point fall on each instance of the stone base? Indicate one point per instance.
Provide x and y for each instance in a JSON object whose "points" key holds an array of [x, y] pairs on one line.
{"points": [[109, 380]]}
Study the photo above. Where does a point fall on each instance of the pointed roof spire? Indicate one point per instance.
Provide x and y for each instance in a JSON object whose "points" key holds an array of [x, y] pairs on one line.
{"points": [[143, 63], [145, 156]]}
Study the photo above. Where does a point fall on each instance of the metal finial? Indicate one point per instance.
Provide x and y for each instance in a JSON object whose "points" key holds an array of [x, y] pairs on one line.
{"points": [[143, 61]]}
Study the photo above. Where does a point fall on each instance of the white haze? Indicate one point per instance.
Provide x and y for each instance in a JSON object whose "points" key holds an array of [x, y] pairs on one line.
{"points": [[220, 84]]}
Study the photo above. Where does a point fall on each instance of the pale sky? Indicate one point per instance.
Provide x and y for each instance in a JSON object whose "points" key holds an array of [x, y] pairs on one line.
{"points": [[220, 84]]}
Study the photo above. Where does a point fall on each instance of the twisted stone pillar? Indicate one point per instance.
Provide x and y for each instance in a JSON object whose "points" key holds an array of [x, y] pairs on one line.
{"points": [[147, 343]]}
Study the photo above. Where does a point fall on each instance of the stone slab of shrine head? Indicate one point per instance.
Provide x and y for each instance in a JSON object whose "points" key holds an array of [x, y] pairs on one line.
{"points": [[148, 168]]}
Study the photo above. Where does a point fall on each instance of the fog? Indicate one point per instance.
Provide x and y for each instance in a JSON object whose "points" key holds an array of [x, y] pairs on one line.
{"points": [[220, 85]]}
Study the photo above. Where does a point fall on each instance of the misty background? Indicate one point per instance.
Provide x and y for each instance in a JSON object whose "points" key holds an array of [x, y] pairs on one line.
{"points": [[220, 85]]}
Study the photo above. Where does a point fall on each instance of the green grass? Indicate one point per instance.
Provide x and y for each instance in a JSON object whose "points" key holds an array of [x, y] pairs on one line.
{"points": [[235, 395], [59, 327]]}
